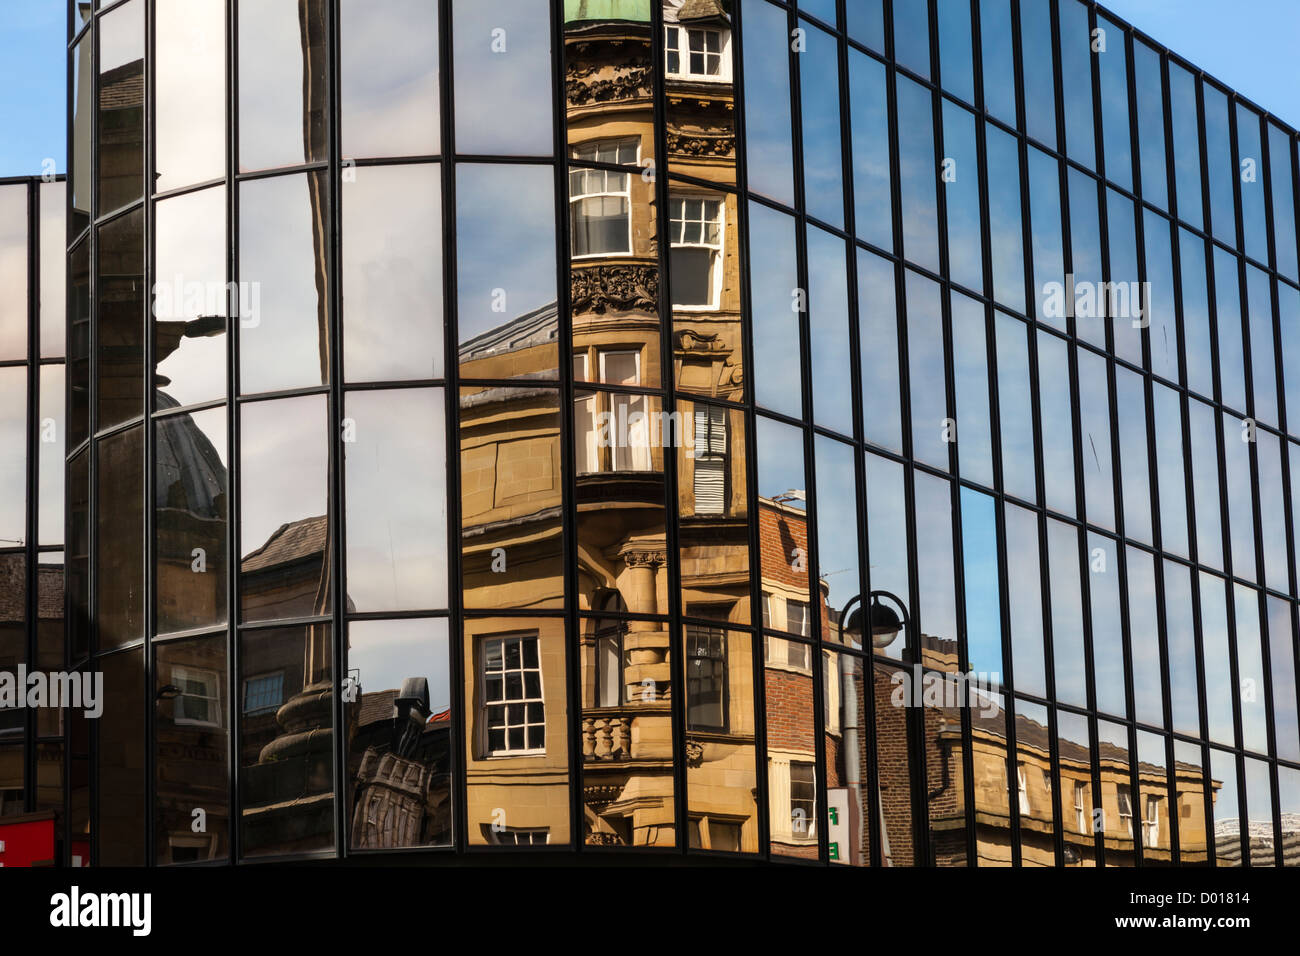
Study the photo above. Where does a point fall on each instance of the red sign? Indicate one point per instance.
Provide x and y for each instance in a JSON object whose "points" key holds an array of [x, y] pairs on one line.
{"points": [[27, 840]]}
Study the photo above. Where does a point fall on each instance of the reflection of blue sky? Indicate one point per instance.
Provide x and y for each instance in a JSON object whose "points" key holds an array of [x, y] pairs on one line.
{"points": [[1171, 474], [1144, 636], [962, 195], [828, 305], [837, 524], [865, 21], [1223, 769], [934, 557], [873, 216], [780, 460], [997, 57], [955, 59], [1250, 669], [1218, 667], [1057, 422], [1045, 220], [503, 80], [878, 333], [271, 87], [384, 653], [505, 239], [912, 35], [772, 281], [820, 113], [979, 534], [1124, 268], [970, 371], [1006, 243], [767, 104], [1025, 599], [1015, 408], [1067, 612], [389, 77], [917, 174], [926, 365], [284, 465], [1181, 642]]}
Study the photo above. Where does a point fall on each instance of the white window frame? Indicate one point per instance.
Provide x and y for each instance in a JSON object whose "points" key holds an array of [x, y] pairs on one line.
{"points": [[1022, 790], [1080, 806], [677, 32], [625, 193], [212, 681], [243, 703], [677, 228], [484, 729], [811, 821], [496, 836], [1151, 820], [1123, 795]]}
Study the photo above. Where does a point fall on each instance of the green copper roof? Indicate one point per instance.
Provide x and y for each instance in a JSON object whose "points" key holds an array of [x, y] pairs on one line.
{"points": [[637, 10]]}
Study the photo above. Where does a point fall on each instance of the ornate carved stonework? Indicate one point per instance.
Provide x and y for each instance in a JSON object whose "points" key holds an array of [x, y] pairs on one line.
{"points": [[644, 559], [582, 84], [720, 143], [694, 753], [625, 288]]}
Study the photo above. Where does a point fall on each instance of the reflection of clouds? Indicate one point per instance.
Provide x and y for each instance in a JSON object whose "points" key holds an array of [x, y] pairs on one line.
{"points": [[887, 526], [837, 524], [767, 103], [392, 273], [926, 363], [190, 244], [934, 557], [396, 500], [271, 84], [820, 113], [54, 268], [980, 579], [50, 492], [870, 132], [284, 465], [505, 239], [780, 460], [121, 36], [190, 53], [278, 257], [389, 81], [1006, 244], [917, 173], [13, 272], [962, 197], [776, 324], [13, 461], [387, 652], [1067, 611], [828, 305], [1107, 637], [503, 99]]}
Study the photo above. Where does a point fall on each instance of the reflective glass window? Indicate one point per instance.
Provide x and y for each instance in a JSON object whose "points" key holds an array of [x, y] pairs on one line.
{"points": [[1187, 145], [916, 164], [1180, 635], [769, 154], [1107, 630], [931, 428], [775, 301], [190, 86], [120, 91], [878, 344], [1196, 313], [1067, 612], [971, 379], [1025, 599], [1237, 436], [1281, 171], [1144, 637], [1094, 429], [1281, 662], [819, 93], [1218, 666], [1006, 243], [828, 304], [912, 35], [1150, 107], [1056, 423], [1038, 73], [1205, 483], [1076, 81], [1112, 64], [1171, 473], [1131, 406], [1219, 170], [1015, 408], [1251, 178], [1158, 311], [869, 119], [1263, 370], [960, 176], [283, 83], [956, 63], [1250, 669], [119, 539], [997, 58], [1047, 247], [502, 58]]}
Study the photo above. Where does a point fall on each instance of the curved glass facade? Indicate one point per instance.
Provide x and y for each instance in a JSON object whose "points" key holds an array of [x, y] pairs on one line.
{"points": [[826, 434]]}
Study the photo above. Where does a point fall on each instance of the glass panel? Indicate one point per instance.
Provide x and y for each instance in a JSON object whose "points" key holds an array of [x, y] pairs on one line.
{"points": [[283, 256], [190, 86], [844, 756], [1263, 370], [1190, 780], [1171, 470], [1196, 313], [1056, 423], [828, 302], [1288, 301], [511, 474], [1250, 168], [1006, 243], [119, 542], [1032, 780], [1281, 662], [396, 500], [54, 268], [979, 548], [80, 172], [1250, 669], [286, 739], [392, 274], [50, 464], [783, 520], [191, 751], [819, 94], [1237, 435], [1150, 107], [121, 320], [78, 569], [791, 750], [866, 24], [1045, 228], [192, 497], [956, 60], [121, 106], [1218, 667], [1122, 300], [1272, 528], [1144, 638], [837, 533], [1187, 144], [770, 157], [1076, 80], [1153, 800], [869, 117], [1117, 802], [887, 540], [1281, 171], [397, 707], [725, 816], [389, 82], [916, 163], [1015, 408], [878, 342], [997, 59], [79, 344], [284, 509], [1025, 599], [1112, 63], [823, 9], [502, 54], [282, 83], [1288, 786], [1135, 483], [931, 427], [13, 466], [190, 298], [1085, 257], [1107, 630], [701, 129], [1219, 169], [970, 372], [960, 176], [506, 277], [1205, 484], [912, 36], [775, 300], [121, 747], [1094, 425], [1067, 613], [1075, 786], [1259, 810], [1038, 72], [1227, 809], [1181, 642], [934, 562], [1159, 310]]}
